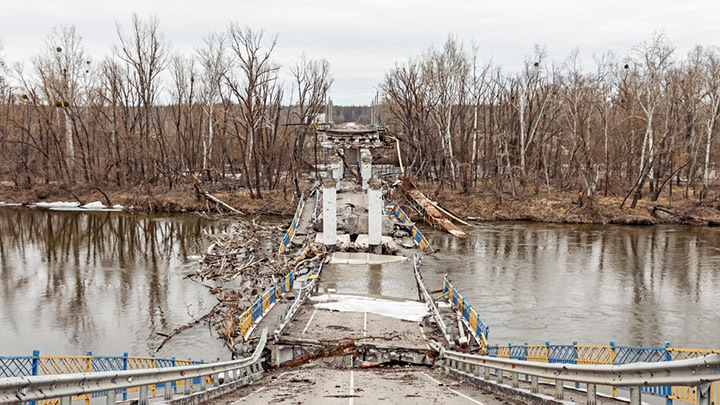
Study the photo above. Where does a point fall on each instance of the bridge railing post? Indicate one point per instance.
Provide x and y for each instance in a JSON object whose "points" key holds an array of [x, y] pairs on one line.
{"points": [[188, 382], [35, 367], [88, 369], [575, 357], [667, 390], [525, 345], [612, 361], [174, 383], [125, 367]]}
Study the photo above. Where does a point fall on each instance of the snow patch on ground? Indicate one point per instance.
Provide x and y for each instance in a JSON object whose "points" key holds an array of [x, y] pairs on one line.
{"points": [[75, 206], [413, 311], [4, 204], [57, 205]]}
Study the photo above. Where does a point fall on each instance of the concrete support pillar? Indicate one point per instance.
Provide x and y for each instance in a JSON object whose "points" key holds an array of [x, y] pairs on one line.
{"points": [[366, 169], [337, 167], [534, 388], [112, 394], [635, 396], [375, 214], [559, 389], [591, 394], [329, 213]]}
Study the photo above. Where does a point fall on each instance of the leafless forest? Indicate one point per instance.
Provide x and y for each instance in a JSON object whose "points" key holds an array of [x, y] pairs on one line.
{"points": [[635, 126]]}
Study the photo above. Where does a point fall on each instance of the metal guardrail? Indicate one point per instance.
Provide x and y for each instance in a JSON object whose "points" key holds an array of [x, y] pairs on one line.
{"points": [[611, 354], [248, 320], [65, 386], [429, 300], [697, 372], [300, 298], [287, 239], [470, 318], [417, 236]]}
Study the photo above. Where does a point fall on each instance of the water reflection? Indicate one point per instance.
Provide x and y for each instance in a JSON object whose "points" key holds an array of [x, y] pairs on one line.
{"points": [[101, 281], [635, 285]]}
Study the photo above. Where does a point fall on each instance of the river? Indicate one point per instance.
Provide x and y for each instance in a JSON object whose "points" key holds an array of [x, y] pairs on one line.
{"points": [[108, 281], [102, 281], [635, 285]]}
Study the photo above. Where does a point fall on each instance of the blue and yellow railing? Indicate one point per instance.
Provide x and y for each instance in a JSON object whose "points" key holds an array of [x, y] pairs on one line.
{"points": [[252, 316], [477, 326], [417, 236], [611, 354], [20, 366], [287, 239]]}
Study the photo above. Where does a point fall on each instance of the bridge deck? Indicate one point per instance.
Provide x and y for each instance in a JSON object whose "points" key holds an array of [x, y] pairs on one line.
{"points": [[314, 384]]}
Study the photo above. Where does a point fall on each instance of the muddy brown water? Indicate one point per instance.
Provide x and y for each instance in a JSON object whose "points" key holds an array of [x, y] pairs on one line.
{"points": [[635, 285], [109, 282]]}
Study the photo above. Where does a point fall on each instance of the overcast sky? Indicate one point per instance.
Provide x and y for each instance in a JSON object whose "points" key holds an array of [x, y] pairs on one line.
{"points": [[362, 39]]}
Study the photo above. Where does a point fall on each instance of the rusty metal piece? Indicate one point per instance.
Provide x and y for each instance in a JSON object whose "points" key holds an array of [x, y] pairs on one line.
{"points": [[432, 214], [340, 349]]}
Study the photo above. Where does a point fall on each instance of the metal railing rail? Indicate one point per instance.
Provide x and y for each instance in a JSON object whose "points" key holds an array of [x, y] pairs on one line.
{"points": [[300, 298], [611, 354], [696, 372], [429, 300], [248, 320], [288, 237], [477, 327], [65, 386], [417, 236]]}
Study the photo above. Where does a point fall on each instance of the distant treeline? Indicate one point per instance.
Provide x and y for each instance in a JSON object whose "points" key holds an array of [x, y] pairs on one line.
{"points": [[647, 119]]}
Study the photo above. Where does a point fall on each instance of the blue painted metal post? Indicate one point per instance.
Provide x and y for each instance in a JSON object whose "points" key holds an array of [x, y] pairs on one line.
{"points": [[35, 366], [547, 348], [667, 390], [577, 384], [125, 367], [174, 383]]}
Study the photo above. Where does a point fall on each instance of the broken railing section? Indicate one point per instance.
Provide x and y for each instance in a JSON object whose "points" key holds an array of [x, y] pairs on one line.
{"points": [[471, 319], [430, 301], [434, 214], [287, 239], [417, 236], [252, 316], [300, 297]]}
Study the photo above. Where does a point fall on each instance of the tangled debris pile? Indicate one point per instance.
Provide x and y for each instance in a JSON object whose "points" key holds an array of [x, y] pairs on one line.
{"points": [[241, 264]]}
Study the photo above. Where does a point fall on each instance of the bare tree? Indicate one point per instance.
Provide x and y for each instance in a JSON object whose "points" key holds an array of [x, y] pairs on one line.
{"points": [[214, 65]]}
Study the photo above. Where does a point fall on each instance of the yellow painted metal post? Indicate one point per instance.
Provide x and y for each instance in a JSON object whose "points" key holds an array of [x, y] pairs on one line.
{"points": [[612, 361], [88, 369]]}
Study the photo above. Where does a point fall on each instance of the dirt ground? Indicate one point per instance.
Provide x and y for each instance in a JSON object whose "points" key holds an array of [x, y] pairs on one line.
{"points": [[153, 199]]}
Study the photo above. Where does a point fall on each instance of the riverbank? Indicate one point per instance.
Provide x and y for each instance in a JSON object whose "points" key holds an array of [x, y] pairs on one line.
{"points": [[564, 208], [477, 206], [153, 199]]}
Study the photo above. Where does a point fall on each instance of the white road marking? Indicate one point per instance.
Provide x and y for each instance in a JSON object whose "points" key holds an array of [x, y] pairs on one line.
{"points": [[454, 391], [248, 396], [365, 325], [352, 386], [309, 321]]}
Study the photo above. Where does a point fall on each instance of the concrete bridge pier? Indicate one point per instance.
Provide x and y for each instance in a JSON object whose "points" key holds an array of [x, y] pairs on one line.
{"points": [[375, 215], [329, 213], [338, 169], [366, 169]]}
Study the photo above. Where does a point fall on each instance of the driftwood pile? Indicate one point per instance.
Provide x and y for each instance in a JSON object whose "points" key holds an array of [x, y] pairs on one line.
{"points": [[238, 267]]}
